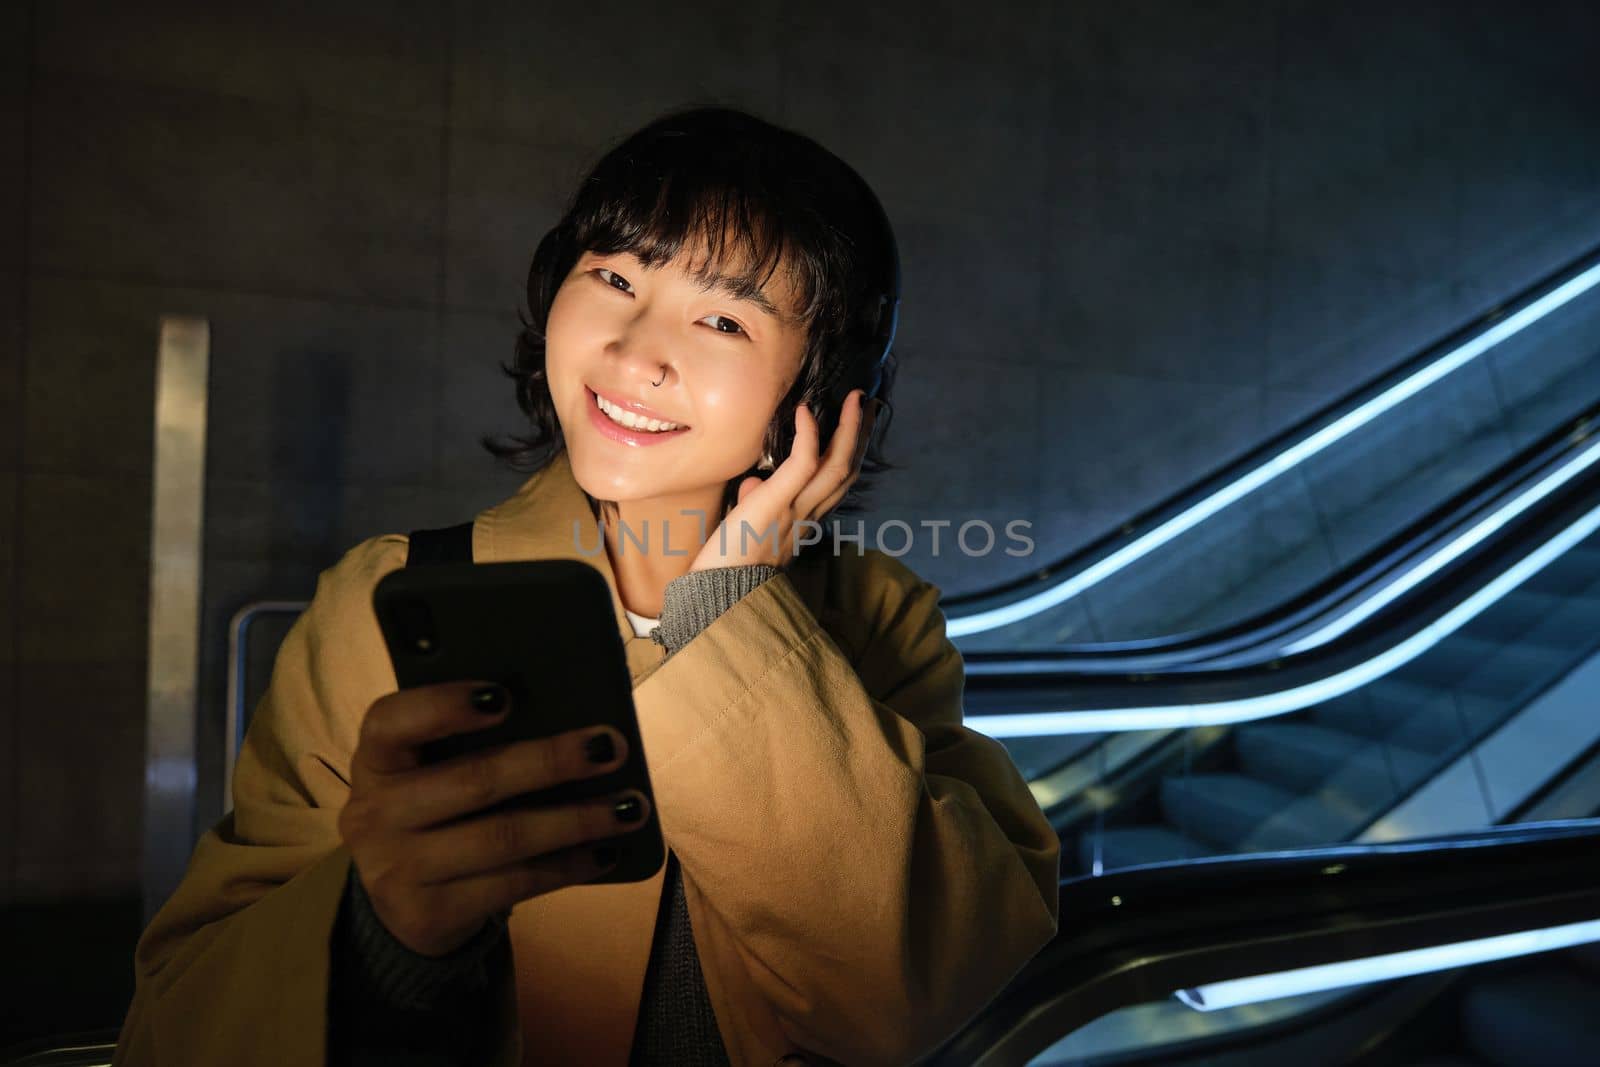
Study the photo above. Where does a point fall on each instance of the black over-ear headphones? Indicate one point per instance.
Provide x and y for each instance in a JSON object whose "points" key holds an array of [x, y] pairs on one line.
{"points": [[879, 345]]}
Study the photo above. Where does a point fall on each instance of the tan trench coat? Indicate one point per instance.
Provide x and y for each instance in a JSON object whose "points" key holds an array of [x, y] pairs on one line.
{"points": [[862, 872]]}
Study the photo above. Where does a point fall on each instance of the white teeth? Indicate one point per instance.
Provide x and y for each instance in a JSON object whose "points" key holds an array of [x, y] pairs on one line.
{"points": [[632, 421]]}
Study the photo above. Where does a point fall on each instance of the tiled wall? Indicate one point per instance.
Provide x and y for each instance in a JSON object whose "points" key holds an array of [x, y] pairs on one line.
{"points": [[1137, 238]]}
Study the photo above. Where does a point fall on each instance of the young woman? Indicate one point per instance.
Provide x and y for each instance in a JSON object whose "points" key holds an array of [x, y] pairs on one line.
{"points": [[852, 873]]}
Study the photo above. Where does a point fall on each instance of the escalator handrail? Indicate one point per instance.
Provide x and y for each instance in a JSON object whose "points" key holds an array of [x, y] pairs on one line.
{"points": [[1144, 932], [90, 1048]]}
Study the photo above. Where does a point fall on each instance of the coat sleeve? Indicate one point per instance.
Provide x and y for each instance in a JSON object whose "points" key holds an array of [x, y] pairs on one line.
{"points": [[234, 968], [885, 870]]}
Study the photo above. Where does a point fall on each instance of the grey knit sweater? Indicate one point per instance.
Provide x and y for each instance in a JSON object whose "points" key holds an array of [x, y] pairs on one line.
{"points": [[391, 1006]]}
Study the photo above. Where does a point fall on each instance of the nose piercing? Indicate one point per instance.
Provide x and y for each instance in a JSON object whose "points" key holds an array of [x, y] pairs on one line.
{"points": [[663, 377]]}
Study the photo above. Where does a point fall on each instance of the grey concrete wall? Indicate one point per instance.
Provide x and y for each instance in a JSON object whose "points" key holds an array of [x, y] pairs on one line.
{"points": [[1137, 238], [13, 195]]}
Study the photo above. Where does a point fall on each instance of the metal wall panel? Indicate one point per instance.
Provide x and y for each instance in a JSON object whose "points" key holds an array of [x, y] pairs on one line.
{"points": [[176, 542]]}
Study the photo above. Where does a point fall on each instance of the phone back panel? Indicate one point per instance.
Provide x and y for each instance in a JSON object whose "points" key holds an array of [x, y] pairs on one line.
{"points": [[545, 629]]}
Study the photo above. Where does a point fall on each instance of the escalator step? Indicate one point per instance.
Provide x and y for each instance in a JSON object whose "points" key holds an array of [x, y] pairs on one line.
{"points": [[1540, 1014], [1307, 821], [1222, 809], [1294, 755], [1516, 672], [1344, 770], [1378, 778], [1501, 671], [1354, 713], [1425, 718], [1135, 845], [1429, 719]]}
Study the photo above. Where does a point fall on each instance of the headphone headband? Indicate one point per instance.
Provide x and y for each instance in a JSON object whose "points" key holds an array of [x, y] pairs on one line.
{"points": [[888, 304]]}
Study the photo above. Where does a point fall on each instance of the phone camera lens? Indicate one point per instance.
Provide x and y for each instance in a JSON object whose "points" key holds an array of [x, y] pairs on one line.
{"points": [[417, 628]]}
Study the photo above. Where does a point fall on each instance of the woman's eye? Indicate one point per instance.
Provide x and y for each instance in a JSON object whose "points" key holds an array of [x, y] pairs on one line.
{"points": [[601, 272], [737, 329]]}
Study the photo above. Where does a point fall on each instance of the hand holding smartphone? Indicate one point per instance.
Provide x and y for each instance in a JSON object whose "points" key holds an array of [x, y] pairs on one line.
{"points": [[484, 780]]}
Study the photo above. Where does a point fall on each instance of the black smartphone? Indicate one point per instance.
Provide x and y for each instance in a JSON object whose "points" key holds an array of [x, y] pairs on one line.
{"points": [[545, 629]]}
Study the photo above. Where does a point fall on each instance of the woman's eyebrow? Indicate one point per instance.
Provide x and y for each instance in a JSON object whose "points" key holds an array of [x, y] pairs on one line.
{"points": [[746, 291], [734, 289]]}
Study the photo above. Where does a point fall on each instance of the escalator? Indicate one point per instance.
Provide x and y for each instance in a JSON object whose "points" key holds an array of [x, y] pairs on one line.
{"points": [[1103, 996], [1491, 631], [1130, 787], [1419, 660], [1348, 955], [1331, 773]]}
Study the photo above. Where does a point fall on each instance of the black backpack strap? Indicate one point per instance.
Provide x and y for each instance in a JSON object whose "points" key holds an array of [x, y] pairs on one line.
{"points": [[450, 544]]}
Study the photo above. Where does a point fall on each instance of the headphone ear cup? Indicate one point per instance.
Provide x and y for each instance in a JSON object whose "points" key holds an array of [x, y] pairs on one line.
{"points": [[833, 404]]}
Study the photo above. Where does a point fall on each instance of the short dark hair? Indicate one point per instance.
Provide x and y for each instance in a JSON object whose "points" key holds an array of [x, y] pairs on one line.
{"points": [[693, 176]]}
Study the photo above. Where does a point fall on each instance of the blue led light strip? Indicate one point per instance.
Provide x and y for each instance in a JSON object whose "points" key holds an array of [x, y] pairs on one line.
{"points": [[1288, 459], [1263, 987]]}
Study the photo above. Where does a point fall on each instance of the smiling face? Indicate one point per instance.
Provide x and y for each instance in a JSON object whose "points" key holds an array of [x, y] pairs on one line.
{"points": [[616, 329]]}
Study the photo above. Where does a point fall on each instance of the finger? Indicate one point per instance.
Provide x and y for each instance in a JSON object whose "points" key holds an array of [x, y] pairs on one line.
{"points": [[432, 795], [799, 467], [835, 469], [398, 724], [864, 439], [497, 891], [845, 438], [836, 464], [494, 841]]}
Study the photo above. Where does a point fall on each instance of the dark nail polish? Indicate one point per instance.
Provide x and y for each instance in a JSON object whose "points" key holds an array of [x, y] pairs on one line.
{"points": [[489, 699], [600, 748], [605, 855], [628, 810]]}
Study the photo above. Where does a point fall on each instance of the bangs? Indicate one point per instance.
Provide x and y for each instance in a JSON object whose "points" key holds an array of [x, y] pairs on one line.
{"points": [[733, 215]]}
